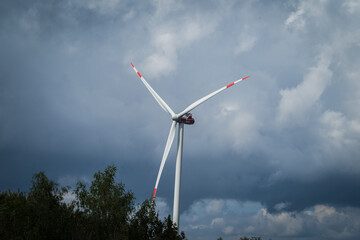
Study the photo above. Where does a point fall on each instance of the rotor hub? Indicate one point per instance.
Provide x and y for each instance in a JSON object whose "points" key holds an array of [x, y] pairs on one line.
{"points": [[186, 119]]}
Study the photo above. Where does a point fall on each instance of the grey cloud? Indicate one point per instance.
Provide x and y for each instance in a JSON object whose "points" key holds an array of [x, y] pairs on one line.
{"points": [[232, 219]]}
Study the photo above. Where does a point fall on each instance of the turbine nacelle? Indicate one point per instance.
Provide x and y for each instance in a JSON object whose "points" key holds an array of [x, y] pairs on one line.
{"points": [[186, 119]]}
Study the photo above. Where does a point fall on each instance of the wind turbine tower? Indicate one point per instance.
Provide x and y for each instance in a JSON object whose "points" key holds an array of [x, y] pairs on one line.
{"points": [[182, 118]]}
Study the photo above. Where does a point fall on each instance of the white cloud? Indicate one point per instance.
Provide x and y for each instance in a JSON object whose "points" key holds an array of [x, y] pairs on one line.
{"points": [[244, 130], [197, 227], [214, 206], [246, 43], [246, 39], [104, 7], [129, 15], [281, 206], [162, 207], [164, 7], [217, 221], [242, 126], [69, 197], [242, 219], [296, 102], [353, 99], [352, 6], [167, 37], [334, 124], [228, 230], [167, 40], [296, 19], [214, 222], [339, 137], [305, 13], [321, 212]]}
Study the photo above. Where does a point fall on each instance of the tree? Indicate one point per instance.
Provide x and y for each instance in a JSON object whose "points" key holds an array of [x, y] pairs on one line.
{"points": [[49, 216], [14, 215], [171, 231], [252, 238], [145, 225], [106, 207], [105, 210], [40, 214]]}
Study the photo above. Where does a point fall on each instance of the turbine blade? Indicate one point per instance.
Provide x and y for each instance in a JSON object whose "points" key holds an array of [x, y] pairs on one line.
{"points": [[161, 102], [201, 100], [166, 153]]}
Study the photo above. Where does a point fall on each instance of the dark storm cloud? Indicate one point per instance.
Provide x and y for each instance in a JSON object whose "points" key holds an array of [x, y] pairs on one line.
{"points": [[50, 90], [286, 139], [255, 181]]}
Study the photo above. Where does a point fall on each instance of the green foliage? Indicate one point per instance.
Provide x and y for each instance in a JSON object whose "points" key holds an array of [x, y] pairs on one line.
{"points": [[105, 210], [40, 214], [145, 224], [106, 207], [14, 215], [50, 216], [252, 238]]}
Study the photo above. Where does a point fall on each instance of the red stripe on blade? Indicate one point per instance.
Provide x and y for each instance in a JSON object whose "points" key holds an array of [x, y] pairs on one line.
{"points": [[245, 77], [154, 193], [230, 85], [132, 64], [139, 74]]}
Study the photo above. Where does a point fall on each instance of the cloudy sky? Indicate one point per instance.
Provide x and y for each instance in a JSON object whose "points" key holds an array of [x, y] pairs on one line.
{"points": [[276, 156]]}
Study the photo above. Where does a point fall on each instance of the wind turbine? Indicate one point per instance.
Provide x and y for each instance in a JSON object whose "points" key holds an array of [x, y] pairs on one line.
{"points": [[184, 117]]}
